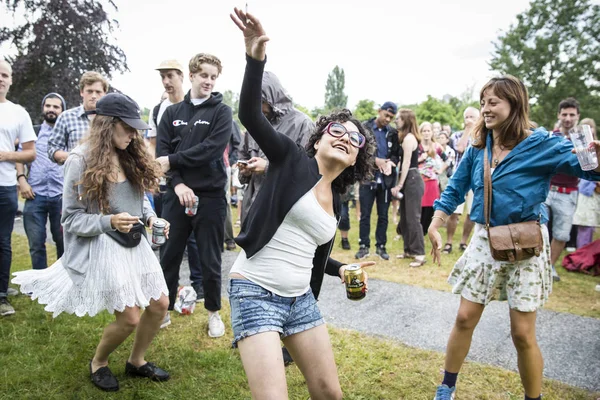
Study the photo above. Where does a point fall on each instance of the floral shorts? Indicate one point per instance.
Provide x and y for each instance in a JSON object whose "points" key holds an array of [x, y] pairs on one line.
{"points": [[479, 278]]}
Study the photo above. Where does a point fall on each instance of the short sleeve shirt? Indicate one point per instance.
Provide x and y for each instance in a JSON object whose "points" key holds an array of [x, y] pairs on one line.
{"points": [[15, 125], [163, 106]]}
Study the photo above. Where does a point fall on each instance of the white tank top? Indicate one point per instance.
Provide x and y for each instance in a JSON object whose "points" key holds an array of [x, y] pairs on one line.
{"points": [[284, 265]]}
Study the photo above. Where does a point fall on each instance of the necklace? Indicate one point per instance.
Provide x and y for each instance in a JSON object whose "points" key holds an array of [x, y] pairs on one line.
{"points": [[497, 159]]}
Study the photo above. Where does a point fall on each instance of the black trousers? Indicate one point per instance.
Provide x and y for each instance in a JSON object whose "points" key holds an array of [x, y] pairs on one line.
{"points": [[192, 247], [369, 194], [410, 214], [208, 228]]}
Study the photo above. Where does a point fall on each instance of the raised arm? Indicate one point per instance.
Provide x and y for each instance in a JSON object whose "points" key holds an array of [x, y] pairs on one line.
{"points": [[274, 145]]}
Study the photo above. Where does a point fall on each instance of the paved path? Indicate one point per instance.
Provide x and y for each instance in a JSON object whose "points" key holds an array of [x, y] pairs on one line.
{"points": [[423, 318]]}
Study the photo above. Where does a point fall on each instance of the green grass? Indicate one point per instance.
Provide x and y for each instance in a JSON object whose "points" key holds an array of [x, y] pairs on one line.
{"points": [[45, 358], [574, 293]]}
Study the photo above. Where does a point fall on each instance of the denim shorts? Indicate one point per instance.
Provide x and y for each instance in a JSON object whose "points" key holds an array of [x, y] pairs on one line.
{"points": [[562, 207], [256, 310]]}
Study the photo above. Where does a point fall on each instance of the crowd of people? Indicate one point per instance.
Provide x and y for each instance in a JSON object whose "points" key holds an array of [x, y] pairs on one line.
{"points": [[102, 176]]}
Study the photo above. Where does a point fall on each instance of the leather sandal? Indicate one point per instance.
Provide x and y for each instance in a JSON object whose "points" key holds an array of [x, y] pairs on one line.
{"points": [[463, 246], [447, 248], [405, 256], [417, 263]]}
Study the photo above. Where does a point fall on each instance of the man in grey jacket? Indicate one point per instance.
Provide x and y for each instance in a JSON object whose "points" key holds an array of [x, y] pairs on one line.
{"points": [[279, 109]]}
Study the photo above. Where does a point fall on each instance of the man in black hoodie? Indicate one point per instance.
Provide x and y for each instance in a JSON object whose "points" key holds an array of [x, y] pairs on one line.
{"points": [[192, 137]]}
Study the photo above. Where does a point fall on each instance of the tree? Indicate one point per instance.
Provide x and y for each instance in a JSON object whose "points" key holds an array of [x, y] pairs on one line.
{"points": [[334, 90], [304, 110], [554, 47], [232, 99], [432, 110], [57, 43], [365, 110], [316, 113], [145, 114]]}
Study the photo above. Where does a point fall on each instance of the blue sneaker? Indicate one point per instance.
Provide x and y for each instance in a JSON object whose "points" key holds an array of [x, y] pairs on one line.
{"points": [[444, 393]]}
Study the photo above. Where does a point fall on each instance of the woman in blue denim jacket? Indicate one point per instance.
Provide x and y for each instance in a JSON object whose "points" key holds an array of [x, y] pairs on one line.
{"points": [[522, 161]]}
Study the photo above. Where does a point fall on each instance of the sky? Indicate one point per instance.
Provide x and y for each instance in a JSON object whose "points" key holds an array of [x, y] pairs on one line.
{"points": [[400, 51]]}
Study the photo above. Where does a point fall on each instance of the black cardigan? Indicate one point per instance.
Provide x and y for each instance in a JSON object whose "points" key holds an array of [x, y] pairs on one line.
{"points": [[292, 173]]}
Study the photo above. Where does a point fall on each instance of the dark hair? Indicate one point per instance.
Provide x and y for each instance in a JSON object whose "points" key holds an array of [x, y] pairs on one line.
{"points": [[517, 126], [362, 170], [569, 102]]}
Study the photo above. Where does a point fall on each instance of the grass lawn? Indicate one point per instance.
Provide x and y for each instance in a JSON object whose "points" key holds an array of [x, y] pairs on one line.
{"points": [[574, 293], [45, 358]]}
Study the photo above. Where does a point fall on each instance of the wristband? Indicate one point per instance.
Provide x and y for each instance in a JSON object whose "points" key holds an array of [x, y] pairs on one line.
{"points": [[21, 175]]}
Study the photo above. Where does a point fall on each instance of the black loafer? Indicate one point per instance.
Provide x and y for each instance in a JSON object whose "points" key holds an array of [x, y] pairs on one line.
{"points": [[147, 370], [104, 379]]}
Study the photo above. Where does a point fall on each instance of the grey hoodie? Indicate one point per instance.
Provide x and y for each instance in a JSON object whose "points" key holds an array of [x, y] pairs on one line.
{"points": [[82, 220], [287, 120]]}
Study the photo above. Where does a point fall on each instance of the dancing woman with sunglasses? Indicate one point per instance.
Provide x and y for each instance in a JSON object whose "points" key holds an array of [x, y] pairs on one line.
{"points": [[287, 237]]}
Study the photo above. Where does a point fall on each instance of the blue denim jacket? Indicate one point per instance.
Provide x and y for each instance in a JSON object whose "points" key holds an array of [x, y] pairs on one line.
{"points": [[520, 183]]}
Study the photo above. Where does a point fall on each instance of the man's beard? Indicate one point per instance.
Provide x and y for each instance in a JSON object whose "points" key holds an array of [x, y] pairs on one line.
{"points": [[50, 118]]}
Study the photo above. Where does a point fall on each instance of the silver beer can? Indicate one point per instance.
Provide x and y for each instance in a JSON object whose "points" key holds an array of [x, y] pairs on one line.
{"points": [[191, 211], [158, 232]]}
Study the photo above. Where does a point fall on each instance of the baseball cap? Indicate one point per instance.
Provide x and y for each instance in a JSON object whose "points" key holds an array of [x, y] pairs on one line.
{"points": [[120, 106], [170, 64], [390, 106]]}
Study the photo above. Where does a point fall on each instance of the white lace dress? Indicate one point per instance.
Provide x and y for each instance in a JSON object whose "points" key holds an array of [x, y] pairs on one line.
{"points": [[116, 277]]}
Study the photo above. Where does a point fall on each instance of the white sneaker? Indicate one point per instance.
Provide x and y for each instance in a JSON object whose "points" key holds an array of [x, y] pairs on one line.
{"points": [[216, 327], [12, 292], [166, 321]]}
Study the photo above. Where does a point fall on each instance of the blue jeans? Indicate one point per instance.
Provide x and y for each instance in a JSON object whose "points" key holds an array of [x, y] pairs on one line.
{"points": [[35, 215], [344, 224], [9, 206]]}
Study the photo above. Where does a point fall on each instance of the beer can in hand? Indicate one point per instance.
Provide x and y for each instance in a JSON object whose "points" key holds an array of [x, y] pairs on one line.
{"points": [[191, 211], [158, 232], [354, 278]]}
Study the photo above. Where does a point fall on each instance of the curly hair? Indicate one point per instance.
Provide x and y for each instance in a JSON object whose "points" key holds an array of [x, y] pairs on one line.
{"points": [[363, 169], [203, 58], [137, 165]]}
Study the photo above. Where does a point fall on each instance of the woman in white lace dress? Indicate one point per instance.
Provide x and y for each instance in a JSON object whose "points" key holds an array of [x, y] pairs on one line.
{"points": [[103, 199]]}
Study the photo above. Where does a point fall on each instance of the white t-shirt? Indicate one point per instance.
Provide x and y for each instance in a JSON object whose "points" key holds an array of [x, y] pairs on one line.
{"points": [[161, 110], [199, 101], [15, 124]]}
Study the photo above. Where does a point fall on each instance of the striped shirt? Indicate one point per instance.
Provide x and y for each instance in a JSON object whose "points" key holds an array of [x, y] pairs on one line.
{"points": [[45, 176], [71, 126]]}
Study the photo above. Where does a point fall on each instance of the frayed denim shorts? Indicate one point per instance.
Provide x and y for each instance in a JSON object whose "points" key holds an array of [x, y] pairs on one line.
{"points": [[256, 310]]}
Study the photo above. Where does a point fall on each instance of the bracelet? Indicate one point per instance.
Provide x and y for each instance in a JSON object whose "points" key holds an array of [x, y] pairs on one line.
{"points": [[21, 175], [437, 216]]}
